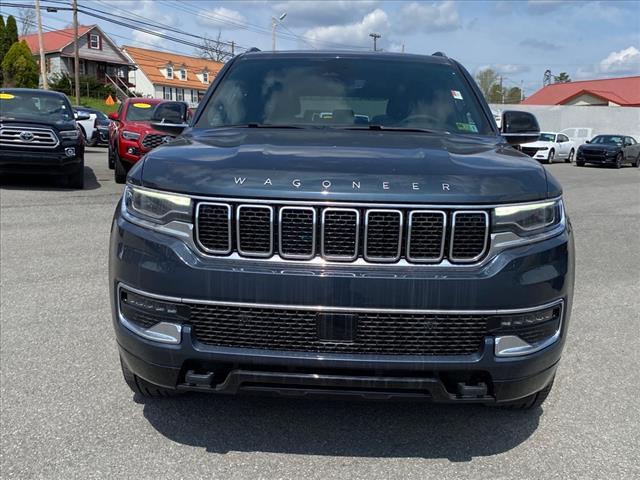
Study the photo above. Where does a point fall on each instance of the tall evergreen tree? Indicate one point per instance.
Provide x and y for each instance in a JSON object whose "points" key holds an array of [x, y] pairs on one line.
{"points": [[19, 68], [2, 52], [10, 32]]}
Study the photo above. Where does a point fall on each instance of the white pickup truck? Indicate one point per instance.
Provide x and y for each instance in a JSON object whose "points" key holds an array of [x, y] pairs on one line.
{"points": [[550, 147]]}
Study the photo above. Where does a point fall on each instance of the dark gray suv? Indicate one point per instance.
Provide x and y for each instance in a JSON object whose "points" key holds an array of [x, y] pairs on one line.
{"points": [[343, 224]]}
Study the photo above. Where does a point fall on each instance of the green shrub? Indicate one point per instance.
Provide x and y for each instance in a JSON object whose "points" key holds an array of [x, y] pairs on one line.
{"points": [[19, 69]]}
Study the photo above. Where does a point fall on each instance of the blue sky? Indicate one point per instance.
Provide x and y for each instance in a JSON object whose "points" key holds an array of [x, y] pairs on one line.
{"points": [[519, 39]]}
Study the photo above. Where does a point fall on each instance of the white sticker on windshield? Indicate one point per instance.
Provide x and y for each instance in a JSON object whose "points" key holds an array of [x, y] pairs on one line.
{"points": [[456, 94]]}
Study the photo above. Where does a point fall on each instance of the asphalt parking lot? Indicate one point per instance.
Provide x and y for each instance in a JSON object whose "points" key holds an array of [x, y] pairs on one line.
{"points": [[67, 413]]}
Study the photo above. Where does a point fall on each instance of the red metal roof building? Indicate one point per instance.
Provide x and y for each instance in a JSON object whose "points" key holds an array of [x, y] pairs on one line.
{"points": [[623, 92]]}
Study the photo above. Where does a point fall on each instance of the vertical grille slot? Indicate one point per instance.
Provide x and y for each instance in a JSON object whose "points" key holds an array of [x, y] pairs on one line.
{"points": [[255, 230], [213, 225], [383, 235], [340, 233], [426, 236], [469, 232], [297, 234]]}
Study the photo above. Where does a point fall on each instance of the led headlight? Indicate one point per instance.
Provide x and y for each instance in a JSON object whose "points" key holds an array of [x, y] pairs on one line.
{"points": [[543, 148], [130, 135], [156, 208], [69, 134], [528, 219]]}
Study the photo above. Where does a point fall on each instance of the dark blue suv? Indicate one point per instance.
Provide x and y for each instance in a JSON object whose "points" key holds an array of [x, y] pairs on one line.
{"points": [[348, 224]]}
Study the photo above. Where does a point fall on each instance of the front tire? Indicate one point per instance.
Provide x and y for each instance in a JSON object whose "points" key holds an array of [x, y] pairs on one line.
{"points": [[570, 157], [120, 173], [76, 179], [619, 160], [552, 155], [143, 388], [531, 402]]}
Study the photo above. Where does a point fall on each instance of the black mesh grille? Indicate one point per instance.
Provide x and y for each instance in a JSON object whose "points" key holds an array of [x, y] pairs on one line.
{"points": [[383, 233], [297, 232], [152, 140], [425, 236], [468, 235], [255, 230], [214, 227], [340, 233], [376, 333]]}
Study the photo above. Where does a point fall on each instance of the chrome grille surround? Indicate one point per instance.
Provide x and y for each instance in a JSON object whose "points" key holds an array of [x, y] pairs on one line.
{"points": [[368, 234], [453, 244], [198, 234], [443, 235], [257, 243], [286, 234], [332, 231], [326, 232], [42, 137]]}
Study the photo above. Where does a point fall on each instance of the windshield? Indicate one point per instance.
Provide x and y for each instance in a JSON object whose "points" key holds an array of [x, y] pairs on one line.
{"points": [[139, 112], [607, 140], [21, 104], [547, 137], [345, 92]]}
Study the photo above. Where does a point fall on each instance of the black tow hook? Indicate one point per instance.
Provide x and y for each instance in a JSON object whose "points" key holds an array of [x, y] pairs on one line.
{"points": [[472, 391], [199, 379]]}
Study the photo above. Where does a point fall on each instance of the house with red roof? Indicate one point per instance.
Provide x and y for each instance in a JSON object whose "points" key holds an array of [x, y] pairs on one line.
{"points": [[99, 56], [615, 92]]}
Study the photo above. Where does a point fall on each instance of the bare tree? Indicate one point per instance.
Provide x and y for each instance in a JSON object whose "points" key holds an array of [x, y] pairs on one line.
{"points": [[27, 17], [215, 49]]}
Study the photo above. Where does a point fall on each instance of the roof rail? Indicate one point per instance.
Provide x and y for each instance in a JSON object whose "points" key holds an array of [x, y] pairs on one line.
{"points": [[439, 54], [254, 49]]}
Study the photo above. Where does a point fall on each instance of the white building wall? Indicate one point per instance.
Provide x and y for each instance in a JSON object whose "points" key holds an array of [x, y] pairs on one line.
{"points": [[142, 84]]}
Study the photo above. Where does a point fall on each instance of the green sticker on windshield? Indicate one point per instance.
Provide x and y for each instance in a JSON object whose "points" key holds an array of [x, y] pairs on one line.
{"points": [[467, 127]]}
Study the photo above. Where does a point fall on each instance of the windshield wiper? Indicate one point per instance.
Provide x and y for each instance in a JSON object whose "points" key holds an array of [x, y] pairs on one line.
{"points": [[260, 125], [396, 129]]}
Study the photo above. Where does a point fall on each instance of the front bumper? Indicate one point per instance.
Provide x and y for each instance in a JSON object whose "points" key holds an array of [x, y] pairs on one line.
{"points": [[34, 161], [518, 278]]}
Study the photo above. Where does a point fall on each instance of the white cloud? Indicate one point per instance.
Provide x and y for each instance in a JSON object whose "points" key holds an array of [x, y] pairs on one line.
{"points": [[506, 68], [146, 40], [428, 17], [617, 64], [625, 61], [352, 34], [221, 17], [315, 13]]}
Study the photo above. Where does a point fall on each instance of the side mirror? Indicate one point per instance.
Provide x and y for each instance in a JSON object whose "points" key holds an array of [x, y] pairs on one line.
{"points": [[174, 129], [588, 141], [113, 116], [519, 127], [82, 116]]}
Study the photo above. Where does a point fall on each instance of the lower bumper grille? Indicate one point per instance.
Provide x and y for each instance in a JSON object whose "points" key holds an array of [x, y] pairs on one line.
{"points": [[374, 333]]}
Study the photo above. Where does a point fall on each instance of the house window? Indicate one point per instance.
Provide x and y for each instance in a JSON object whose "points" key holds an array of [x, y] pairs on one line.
{"points": [[170, 73], [47, 64], [180, 94], [205, 77], [193, 97], [83, 67], [166, 93], [183, 74], [94, 41]]}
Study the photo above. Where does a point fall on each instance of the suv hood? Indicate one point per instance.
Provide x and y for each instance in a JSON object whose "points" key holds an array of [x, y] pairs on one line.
{"points": [[372, 166]]}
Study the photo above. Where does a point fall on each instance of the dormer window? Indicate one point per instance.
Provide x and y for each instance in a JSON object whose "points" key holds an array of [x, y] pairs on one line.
{"points": [[95, 42], [205, 77], [183, 74], [169, 72]]}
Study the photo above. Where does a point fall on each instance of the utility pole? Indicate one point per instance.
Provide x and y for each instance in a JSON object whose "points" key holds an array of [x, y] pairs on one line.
{"points": [[402, 47], [43, 67], [501, 89], [522, 90], [233, 48], [274, 23], [375, 37], [76, 67]]}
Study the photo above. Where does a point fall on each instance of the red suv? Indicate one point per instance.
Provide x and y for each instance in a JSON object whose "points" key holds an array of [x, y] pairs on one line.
{"points": [[131, 134]]}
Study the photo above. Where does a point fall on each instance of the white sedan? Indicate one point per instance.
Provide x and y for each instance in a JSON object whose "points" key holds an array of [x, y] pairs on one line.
{"points": [[549, 147]]}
